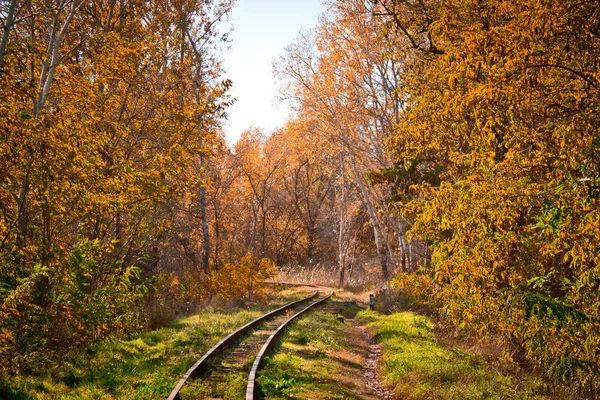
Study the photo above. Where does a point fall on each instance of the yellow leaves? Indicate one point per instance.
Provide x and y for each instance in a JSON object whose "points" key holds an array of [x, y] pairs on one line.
{"points": [[244, 279], [105, 161]]}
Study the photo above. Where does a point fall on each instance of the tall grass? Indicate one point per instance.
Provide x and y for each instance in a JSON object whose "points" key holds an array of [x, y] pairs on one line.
{"points": [[417, 366], [365, 275]]}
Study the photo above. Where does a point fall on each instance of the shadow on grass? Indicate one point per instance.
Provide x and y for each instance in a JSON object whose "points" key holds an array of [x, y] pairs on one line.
{"points": [[308, 354], [282, 378], [391, 333], [346, 363], [13, 393], [327, 386], [348, 309]]}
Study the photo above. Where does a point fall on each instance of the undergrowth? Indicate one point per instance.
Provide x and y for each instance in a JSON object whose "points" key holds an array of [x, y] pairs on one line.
{"points": [[313, 359], [146, 366]]}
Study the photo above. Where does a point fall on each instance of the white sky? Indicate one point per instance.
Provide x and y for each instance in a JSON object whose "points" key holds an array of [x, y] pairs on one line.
{"points": [[261, 30]]}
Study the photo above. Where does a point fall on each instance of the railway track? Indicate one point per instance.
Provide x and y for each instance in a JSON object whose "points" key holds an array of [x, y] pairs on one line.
{"points": [[241, 352]]}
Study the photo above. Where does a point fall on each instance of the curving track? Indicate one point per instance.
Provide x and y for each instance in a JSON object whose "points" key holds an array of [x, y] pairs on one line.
{"points": [[242, 351]]}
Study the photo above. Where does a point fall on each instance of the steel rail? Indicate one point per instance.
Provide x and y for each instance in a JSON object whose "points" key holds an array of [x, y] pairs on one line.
{"points": [[198, 368], [251, 388]]}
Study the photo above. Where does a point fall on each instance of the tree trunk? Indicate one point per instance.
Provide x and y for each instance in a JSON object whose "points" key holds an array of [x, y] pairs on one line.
{"points": [[342, 222], [10, 17], [118, 232], [403, 244], [217, 244], [310, 245], [379, 241], [22, 214], [263, 232], [205, 232], [52, 59]]}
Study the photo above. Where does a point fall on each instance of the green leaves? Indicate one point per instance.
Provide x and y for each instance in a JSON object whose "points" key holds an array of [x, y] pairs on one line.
{"points": [[103, 122]]}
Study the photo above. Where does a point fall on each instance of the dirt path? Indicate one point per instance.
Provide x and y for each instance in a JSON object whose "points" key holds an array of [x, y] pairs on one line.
{"points": [[366, 353], [370, 366], [327, 355]]}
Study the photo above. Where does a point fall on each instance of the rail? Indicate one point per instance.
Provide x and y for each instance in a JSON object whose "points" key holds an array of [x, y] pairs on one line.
{"points": [[251, 389], [200, 366]]}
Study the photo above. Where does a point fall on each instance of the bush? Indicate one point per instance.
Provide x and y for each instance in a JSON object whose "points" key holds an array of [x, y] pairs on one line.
{"points": [[243, 280], [63, 306]]}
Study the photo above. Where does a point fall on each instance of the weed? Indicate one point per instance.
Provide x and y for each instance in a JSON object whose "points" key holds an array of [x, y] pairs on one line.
{"points": [[315, 359], [195, 389], [300, 337]]}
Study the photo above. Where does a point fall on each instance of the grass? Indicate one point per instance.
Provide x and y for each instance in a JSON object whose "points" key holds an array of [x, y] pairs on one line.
{"points": [[319, 357], [234, 388], [144, 367], [417, 366], [315, 358]]}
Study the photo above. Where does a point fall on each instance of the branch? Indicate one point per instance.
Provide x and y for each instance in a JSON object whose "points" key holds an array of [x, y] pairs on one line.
{"points": [[568, 69]]}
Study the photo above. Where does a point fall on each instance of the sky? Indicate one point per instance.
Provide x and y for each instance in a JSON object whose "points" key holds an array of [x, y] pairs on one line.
{"points": [[261, 31]]}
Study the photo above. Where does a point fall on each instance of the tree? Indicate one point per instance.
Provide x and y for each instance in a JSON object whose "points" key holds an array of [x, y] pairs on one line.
{"points": [[501, 126], [106, 107], [343, 77]]}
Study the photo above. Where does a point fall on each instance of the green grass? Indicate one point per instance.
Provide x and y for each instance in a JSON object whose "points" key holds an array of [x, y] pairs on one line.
{"points": [[317, 358], [311, 357], [144, 367], [416, 366], [315, 355]]}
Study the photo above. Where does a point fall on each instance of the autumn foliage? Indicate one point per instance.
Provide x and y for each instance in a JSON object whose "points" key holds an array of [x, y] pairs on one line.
{"points": [[453, 145], [107, 109], [470, 133], [500, 140], [245, 279]]}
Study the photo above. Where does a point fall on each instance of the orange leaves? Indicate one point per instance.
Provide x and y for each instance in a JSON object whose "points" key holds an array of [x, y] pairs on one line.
{"points": [[243, 280], [94, 175]]}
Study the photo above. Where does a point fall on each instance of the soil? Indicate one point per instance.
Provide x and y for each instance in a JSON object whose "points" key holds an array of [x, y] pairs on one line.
{"points": [[373, 380], [365, 354]]}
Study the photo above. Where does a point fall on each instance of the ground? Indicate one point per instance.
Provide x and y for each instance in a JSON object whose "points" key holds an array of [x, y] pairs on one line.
{"points": [[345, 351], [339, 351]]}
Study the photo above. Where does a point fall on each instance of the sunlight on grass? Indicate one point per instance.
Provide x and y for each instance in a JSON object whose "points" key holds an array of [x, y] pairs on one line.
{"points": [[312, 360], [144, 367], [418, 367]]}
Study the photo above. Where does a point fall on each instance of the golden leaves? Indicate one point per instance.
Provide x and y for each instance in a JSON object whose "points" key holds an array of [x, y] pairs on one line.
{"points": [[102, 161], [509, 114], [245, 279]]}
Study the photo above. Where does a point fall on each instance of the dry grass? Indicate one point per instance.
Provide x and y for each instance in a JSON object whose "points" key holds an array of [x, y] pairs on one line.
{"points": [[365, 276]]}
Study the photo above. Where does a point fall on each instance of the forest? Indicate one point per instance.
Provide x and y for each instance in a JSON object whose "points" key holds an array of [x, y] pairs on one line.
{"points": [[449, 150]]}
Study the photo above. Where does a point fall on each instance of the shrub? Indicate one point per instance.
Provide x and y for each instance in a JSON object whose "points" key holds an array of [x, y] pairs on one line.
{"points": [[243, 280]]}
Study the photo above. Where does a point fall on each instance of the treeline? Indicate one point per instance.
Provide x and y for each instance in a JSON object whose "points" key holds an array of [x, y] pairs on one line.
{"points": [[474, 127], [107, 111], [289, 196], [121, 203], [317, 191]]}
